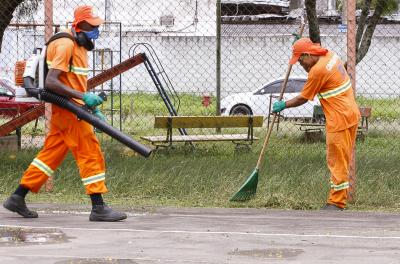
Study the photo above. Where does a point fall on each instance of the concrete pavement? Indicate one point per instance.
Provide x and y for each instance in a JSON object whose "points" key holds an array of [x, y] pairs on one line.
{"points": [[63, 234]]}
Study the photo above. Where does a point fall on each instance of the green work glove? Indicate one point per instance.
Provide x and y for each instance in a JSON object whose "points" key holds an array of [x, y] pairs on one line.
{"points": [[296, 37], [278, 106], [92, 100], [99, 114]]}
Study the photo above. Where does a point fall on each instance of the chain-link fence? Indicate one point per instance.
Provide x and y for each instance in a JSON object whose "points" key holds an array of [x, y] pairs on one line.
{"points": [[176, 43]]}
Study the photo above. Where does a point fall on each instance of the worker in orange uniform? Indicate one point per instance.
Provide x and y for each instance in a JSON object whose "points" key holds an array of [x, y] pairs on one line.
{"points": [[329, 81], [67, 59]]}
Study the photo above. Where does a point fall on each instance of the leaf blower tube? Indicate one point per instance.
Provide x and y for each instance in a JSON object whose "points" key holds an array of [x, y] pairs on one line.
{"points": [[83, 114]]}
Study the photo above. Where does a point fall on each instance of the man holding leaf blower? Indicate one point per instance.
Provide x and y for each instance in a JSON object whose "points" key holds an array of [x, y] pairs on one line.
{"points": [[68, 69], [329, 81]]}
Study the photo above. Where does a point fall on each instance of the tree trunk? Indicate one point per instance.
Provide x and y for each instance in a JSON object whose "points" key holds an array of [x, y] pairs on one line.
{"points": [[361, 23], [312, 18], [369, 32], [6, 14]]}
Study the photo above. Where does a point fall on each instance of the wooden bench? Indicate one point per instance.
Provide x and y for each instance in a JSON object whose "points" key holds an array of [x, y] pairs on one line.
{"points": [[318, 124], [184, 122]]}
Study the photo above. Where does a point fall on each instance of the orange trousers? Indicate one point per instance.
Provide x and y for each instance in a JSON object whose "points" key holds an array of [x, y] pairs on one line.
{"points": [[339, 149], [67, 133]]}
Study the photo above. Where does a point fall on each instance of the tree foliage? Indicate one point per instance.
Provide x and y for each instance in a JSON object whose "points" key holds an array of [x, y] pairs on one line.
{"points": [[367, 24], [371, 14], [21, 8], [27, 7]]}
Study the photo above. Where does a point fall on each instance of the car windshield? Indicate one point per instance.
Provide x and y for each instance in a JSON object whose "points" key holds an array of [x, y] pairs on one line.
{"points": [[293, 86]]}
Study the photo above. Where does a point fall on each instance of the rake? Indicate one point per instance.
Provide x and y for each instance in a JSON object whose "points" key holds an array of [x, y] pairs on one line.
{"points": [[249, 187]]}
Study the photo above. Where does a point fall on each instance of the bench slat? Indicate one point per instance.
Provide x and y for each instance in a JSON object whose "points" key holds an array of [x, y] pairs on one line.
{"points": [[194, 138], [310, 124], [207, 121]]}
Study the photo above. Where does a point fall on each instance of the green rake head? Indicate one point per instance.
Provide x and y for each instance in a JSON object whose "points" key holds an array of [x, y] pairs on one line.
{"points": [[248, 189]]}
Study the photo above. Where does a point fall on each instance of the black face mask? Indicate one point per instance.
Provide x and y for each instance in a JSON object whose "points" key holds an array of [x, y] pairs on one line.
{"points": [[82, 40]]}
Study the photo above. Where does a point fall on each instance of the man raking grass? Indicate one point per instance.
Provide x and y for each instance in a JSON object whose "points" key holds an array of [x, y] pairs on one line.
{"points": [[328, 79]]}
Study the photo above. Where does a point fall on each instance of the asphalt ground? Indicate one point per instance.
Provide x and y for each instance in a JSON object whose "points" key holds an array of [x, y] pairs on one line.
{"points": [[63, 234]]}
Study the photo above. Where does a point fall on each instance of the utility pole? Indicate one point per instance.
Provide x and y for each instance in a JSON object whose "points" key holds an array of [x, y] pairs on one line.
{"points": [[48, 19], [48, 32], [350, 11]]}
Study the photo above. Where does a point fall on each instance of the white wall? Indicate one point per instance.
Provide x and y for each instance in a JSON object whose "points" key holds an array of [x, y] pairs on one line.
{"points": [[249, 59]]}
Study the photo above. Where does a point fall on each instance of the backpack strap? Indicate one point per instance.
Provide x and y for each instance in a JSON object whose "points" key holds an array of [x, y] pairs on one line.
{"points": [[59, 35], [54, 37]]}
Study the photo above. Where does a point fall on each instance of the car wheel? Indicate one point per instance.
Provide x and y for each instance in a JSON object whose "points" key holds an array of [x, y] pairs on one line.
{"points": [[241, 110]]}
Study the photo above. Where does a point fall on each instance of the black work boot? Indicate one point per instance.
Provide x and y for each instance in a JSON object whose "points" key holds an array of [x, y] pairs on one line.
{"points": [[105, 214], [16, 203], [331, 207]]}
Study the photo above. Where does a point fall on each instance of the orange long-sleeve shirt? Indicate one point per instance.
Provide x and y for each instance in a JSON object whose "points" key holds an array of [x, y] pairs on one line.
{"points": [[329, 80]]}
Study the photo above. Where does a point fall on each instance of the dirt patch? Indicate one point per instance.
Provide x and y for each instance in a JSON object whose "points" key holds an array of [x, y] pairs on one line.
{"points": [[11, 236]]}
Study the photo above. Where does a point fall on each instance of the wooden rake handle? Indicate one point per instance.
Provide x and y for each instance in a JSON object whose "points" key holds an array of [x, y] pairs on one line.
{"points": [[283, 88]]}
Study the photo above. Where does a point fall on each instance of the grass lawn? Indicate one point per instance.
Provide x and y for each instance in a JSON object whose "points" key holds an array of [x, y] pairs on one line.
{"points": [[190, 104], [294, 176], [294, 173], [382, 109]]}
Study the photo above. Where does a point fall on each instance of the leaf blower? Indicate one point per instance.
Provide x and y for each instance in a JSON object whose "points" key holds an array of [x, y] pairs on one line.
{"points": [[34, 77]]}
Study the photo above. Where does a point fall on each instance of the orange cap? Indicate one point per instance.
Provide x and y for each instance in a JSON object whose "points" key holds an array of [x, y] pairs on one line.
{"points": [[305, 45], [85, 13]]}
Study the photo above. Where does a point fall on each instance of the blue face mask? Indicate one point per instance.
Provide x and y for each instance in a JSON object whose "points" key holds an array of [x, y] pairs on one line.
{"points": [[94, 34]]}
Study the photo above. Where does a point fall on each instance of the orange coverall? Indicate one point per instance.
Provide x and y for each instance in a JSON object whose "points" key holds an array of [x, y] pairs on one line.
{"points": [[66, 131], [329, 80]]}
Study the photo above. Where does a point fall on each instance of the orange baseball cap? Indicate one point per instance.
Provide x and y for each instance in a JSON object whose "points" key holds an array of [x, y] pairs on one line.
{"points": [[305, 45], [85, 13]]}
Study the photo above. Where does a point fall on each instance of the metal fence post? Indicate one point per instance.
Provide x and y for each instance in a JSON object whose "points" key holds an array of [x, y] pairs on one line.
{"points": [[218, 60]]}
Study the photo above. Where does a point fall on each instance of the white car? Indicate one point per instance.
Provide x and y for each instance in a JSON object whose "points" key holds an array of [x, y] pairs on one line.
{"points": [[258, 102]]}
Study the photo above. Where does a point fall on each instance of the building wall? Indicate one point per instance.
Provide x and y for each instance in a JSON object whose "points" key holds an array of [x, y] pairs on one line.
{"points": [[191, 17], [249, 62]]}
